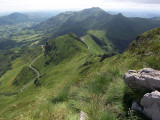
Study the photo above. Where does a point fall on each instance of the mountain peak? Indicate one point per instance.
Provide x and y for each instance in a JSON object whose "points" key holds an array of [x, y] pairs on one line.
{"points": [[97, 8], [17, 15], [120, 14], [94, 9]]}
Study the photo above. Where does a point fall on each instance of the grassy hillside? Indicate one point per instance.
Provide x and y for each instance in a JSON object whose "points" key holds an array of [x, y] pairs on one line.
{"points": [[64, 47], [98, 42], [78, 83], [5, 61]]}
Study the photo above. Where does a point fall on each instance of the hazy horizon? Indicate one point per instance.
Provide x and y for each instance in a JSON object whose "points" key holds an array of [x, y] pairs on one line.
{"points": [[65, 5]]}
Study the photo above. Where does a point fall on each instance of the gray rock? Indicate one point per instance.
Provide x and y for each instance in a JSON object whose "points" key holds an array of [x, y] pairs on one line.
{"points": [[136, 107], [150, 98], [149, 53], [146, 78], [151, 104], [83, 116]]}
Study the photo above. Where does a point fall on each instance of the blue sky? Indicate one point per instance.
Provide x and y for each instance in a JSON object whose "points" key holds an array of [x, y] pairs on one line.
{"points": [[31, 5]]}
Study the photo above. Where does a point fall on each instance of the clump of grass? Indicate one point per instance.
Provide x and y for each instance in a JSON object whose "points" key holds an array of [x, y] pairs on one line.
{"points": [[93, 106], [62, 96], [136, 64], [114, 71], [154, 62], [99, 84]]}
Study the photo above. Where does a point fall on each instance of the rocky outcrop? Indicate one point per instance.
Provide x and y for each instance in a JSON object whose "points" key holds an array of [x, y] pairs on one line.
{"points": [[146, 78], [151, 104]]}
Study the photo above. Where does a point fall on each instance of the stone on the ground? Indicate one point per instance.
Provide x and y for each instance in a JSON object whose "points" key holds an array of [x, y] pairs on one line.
{"points": [[146, 78], [151, 104], [83, 116]]}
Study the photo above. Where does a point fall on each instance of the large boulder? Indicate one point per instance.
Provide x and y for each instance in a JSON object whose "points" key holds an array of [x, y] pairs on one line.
{"points": [[146, 78], [151, 105]]}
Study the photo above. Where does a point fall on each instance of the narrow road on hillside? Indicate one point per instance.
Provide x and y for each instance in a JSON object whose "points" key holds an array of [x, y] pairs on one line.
{"points": [[43, 47], [83, 39], [37, 72]]}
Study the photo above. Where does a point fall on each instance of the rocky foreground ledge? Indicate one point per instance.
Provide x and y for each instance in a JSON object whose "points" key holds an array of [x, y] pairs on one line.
{"points": [[146, 78]]}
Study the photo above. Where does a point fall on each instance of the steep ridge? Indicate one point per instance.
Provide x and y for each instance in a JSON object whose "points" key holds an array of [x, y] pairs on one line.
{"points": [[98, 42], [64, 47], [122, 30], [118, 28]]}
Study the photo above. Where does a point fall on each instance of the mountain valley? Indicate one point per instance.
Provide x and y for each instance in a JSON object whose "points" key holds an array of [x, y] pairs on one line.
{"points": [[74, 62]]}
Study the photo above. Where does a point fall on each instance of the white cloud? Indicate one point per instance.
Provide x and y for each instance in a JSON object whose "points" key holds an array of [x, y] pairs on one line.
{"points": [[18, 5]]}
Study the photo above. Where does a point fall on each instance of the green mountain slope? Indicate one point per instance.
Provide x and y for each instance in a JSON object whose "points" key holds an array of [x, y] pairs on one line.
{"points": [[122, 30], [5, 61], [51, 74], [64, 47], [54, 22], [98, 43], [73, 80]]}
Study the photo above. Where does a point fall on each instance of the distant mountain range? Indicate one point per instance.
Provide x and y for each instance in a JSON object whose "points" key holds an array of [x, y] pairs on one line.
{"points": [[14, 18], [136, 13], [155, 18], [119, 29]]}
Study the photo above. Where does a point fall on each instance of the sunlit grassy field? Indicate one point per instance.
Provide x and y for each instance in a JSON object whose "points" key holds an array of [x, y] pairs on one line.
{"points": [[78, 83]]}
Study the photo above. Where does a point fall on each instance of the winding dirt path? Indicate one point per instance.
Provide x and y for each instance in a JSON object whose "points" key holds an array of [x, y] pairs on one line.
{"points": [[43, 47], [83, 39], [37, 72]]}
